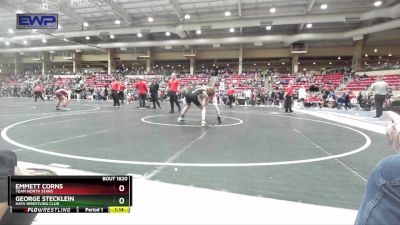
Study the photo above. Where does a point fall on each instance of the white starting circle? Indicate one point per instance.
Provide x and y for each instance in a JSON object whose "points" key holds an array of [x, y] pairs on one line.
{"points": [[232, 122]]}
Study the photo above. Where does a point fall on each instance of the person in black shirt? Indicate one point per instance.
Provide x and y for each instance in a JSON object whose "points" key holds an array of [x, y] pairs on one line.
{"points": [[281, 95], [200, 97], [154, 87]]}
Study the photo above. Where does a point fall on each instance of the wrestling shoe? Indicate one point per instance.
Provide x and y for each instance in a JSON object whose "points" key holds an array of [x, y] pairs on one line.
{"points": [[180, 119]]}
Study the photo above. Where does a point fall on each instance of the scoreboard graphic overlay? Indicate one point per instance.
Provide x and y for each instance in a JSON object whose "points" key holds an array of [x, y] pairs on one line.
{"points": [[70, 194]]}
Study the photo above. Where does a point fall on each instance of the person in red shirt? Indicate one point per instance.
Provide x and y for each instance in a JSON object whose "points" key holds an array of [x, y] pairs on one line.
{"points": [[173, 89], [121, 94], [231, 96], [142, 91], [38, 92], [289, 97], [62, 96], [114, 91]]}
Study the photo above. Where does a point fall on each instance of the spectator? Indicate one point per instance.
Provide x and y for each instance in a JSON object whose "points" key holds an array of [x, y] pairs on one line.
{"points": [[380, 204]]}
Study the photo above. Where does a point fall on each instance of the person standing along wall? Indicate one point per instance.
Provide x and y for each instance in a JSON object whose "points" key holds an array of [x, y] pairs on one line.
{"points": [[154, 87], [380, 88], [231, 96], [121, 93], [288, 97], [173, 89], [38, 92], [142, 92], [114, 92]]}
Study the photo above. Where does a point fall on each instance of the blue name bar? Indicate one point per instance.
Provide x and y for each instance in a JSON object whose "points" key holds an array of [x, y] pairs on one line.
{"points": [[37, 21]]}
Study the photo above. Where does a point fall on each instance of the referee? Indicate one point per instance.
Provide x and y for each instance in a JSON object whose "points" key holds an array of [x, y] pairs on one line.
{"points": [[380, 88]]}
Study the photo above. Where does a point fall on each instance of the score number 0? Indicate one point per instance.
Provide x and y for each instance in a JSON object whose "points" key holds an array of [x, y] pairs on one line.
{"points": [[121, 200]]}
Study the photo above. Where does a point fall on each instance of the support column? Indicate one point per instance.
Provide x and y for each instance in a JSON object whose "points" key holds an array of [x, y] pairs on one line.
{"points": [[192, 64], [240, 70], [358, 49], [77, 62], [111, 61], [45, 62], [148, 61], [18, 65], [295, 63]]}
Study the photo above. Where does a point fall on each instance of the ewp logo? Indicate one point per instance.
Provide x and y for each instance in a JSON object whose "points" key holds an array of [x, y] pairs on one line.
{"points": [[37, 21]]}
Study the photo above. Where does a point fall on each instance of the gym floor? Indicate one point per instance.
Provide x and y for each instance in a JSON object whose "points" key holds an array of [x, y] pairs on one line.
{"points": [[257, 151]]}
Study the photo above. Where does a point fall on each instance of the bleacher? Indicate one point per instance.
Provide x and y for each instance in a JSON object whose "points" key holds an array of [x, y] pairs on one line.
{"points": [[197, 80], [362, 84], [328, 81], [239, 81]]}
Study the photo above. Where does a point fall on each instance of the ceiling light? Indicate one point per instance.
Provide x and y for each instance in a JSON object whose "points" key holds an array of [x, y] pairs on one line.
{"points": [[375, 50], [139, 35], [25, 42], [378, 3], [87, 38], [118, 22], [283, 63], [390, 55], [232, 30], [11, 31], [268, 27], [339, 58], [309, 25], [366, 55], [85, 24], [324, 6], [7, 43], [198, 31], [269, 64], [379, 62], [44, 40], [150, 19], [227, 13], [330, 63], [112, 36], [298, 63], [187, 17], [272, 10], [167, 34], [314, 63]]}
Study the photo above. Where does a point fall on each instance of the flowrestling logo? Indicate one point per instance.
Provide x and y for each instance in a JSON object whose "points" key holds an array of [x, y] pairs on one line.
{"points": [[37, 21]]}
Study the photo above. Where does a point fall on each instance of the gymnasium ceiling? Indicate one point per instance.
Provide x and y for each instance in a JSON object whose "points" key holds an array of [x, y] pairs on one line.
{"points": [[342, 22]]}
